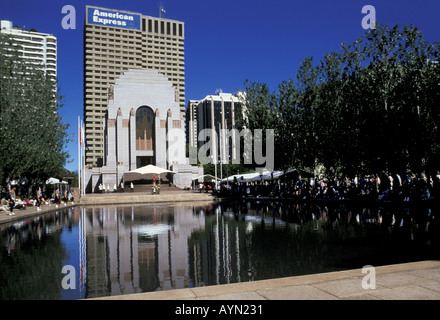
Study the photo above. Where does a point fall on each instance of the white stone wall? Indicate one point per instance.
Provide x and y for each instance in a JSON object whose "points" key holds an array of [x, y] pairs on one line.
{"points": [[134, 89]]}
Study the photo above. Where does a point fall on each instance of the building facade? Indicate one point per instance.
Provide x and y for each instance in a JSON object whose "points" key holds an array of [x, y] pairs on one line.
{"points": [[191, 122], [35, 47], [143, 125], [115, 41], [221, 111]]}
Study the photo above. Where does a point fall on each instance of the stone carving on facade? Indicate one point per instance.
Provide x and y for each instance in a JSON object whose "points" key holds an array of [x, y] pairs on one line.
{"points": [[157, 112], [176, 94], [111, 92], [169, 113]]}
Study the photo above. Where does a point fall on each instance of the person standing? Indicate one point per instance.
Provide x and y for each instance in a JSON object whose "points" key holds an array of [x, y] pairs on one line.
{"points": [[131, 187], [57, 197], [12, 202], [39, 196], [377, 181], [391, 181]]}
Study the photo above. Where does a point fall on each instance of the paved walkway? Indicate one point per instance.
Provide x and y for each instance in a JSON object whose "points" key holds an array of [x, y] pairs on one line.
{"points": [[407, 281], [112, 199], [31, 211]]}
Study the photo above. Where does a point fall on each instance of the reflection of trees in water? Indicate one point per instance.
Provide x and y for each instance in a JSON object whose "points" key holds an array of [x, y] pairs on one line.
{"points": [[30, 267], [284, 239]]}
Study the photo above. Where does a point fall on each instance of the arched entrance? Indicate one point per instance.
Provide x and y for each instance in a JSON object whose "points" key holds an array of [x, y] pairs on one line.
{"points": [[145, 136]]}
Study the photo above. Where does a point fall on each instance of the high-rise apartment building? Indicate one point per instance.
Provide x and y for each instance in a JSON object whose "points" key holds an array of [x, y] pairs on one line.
{"points": [[115, 41], [35, 47], [219, 111]]}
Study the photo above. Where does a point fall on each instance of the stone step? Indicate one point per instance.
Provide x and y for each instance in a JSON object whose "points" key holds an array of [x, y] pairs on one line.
{"points": [[147, 198]]}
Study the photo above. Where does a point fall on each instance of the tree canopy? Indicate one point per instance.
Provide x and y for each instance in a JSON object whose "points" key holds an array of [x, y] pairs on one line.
{"points": [[32, 133], [373, 106]]}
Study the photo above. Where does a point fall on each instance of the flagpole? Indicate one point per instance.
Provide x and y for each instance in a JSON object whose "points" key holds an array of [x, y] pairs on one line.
{"points": [[83, 149], [79, 158]]}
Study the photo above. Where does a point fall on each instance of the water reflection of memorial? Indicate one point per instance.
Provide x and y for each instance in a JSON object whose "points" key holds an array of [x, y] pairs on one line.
{"points": [[138, 249]]}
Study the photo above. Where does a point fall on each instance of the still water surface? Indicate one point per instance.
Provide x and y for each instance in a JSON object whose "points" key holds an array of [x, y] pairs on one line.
{"points": [[117, 250]]}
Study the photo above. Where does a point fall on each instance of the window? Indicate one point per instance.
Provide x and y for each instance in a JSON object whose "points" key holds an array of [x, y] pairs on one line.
{"points": [[144, 128]]}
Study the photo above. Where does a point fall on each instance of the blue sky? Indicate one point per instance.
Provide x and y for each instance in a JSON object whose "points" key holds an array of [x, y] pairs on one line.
{"points": [[226, 42]]}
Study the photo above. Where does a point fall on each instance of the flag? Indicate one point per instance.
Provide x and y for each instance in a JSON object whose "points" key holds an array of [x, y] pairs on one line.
{"points": [[80, 141], [81, 156], [83, 135]]}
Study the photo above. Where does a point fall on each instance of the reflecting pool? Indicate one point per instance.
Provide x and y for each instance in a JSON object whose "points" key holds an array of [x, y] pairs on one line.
{"points": [[85, 252]]}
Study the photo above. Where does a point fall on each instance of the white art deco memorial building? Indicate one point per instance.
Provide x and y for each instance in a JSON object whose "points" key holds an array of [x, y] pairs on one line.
{"points": [[143, 126]]}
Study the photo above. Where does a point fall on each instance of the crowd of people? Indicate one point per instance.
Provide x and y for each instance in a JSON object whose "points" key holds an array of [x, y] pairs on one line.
{"points": [[11, 201], [387, 187]]}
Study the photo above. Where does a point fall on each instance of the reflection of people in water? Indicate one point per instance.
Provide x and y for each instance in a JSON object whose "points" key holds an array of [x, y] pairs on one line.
{"points": [[11, 239]]}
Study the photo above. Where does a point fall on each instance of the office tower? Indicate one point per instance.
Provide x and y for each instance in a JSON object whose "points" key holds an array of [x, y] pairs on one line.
{"points": [[35, 47], [115, 41], [191, 122], [219, 111]]}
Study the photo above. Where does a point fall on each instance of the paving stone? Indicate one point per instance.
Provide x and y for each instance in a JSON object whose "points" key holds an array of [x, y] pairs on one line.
{"points": [[399, 279], [301, 292], [407, 293], [247, 295], [177, 294], [344, 288], [430, 273]]}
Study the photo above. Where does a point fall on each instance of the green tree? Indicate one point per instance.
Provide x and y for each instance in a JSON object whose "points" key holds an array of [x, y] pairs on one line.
{"points": [[259, 114], [307, 81], [32, 134], [396, 82], [286, 126], [371, 107]]}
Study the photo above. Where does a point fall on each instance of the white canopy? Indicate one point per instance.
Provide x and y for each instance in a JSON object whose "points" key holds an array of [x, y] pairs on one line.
{"points": [[205, 176], [150, 169], [52, 181], [255, 176]]}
